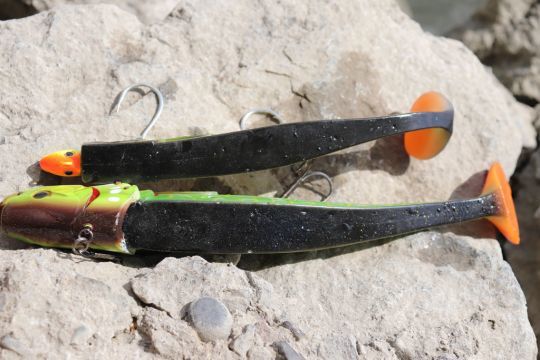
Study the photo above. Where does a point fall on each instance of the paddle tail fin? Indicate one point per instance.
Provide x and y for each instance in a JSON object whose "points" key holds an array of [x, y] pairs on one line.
{"points": [[427, 143], [506, 220]]}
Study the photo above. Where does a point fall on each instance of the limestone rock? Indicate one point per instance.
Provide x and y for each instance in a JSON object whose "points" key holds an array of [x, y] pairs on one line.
{"points": [[428, 295], [55, 305], [147, 11]]}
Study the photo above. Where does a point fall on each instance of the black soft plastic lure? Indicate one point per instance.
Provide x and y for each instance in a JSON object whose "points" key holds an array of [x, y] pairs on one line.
{"points": [[427, 130], [120, 218]]}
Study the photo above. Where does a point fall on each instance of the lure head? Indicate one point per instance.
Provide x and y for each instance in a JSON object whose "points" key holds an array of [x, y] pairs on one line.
{"points": [[427, 143], [53, 216], [62, 163]]}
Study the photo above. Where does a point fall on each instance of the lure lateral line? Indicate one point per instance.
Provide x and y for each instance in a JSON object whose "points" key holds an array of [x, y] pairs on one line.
{"points": [[124, 219], [427, 130]]}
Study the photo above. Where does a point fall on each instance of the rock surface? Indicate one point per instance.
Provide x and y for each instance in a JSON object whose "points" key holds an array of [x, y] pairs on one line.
{"points": [[525, 259], [426, 295], [505, 35], [60, 71], [147, 11]]}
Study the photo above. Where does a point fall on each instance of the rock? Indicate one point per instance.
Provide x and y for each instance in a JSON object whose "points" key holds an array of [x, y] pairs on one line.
{"points": [[297, 333], [261, 354], [444, 15], [429, 293], [169, 338], [170, 302], [525, 259], [147, 11], [440, 295], [286, 351], [243, 343], [211, 319], [505, 34], [55, 305], [165, 286]]}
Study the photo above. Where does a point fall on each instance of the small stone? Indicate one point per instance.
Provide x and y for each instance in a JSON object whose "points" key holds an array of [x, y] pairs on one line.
{"points": [[80, 335], [244, 341], [286, 351], [210, 318], [297, 333]]}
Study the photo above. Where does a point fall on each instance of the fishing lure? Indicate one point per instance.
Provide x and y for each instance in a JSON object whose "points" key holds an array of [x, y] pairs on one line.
{"points": [[120, 218], [427, 130]]}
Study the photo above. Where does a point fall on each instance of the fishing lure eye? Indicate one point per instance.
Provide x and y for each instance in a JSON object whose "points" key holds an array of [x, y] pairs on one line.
{"points": [[41, 194], [69, 154]]}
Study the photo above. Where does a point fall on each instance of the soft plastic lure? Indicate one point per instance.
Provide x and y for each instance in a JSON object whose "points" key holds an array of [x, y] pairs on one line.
{"points": [[427, 130], [120, 218]]}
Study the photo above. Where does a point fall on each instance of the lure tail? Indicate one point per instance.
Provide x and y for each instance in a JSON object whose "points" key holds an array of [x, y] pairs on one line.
{"points": [[427, 143], [506, 219]]}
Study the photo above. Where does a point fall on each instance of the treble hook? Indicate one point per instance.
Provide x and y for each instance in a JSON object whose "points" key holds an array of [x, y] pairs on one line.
{"points": [[268, 112], [159, 108], [304, 178]]}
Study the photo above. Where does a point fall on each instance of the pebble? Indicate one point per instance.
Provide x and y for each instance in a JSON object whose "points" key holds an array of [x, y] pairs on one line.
{"points": [[211, 319], [286, 351], [297, 333]]}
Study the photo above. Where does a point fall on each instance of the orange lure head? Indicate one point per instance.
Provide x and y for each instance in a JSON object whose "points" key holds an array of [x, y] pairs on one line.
{"points": [[62, 163], [425, 144]]}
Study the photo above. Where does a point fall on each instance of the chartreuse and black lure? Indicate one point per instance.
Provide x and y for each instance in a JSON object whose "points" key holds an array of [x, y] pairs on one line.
{"points": [[427, 130], [120, 218]]}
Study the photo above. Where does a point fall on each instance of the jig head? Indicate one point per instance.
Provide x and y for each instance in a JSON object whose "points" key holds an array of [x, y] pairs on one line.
{"points": [[123, 219], [427, 130]]}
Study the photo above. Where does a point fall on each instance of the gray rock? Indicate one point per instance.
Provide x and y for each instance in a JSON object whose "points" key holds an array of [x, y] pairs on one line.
{"points": [[147, 11], [443, 15], [525, 259], [505, 34], [297, 333], [286, 351], [211, 319]]}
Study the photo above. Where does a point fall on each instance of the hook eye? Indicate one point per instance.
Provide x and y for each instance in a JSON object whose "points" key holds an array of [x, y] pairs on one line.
{"points": [[274, 116], [301, 180], [159, 108]]}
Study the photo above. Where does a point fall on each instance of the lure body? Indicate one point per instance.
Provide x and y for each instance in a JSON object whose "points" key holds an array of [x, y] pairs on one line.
{"points": [[124, 219], [427, 130]]}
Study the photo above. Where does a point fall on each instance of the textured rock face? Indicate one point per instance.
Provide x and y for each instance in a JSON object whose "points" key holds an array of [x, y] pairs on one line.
{"points": [[424, 296], [61, 69], [506, 36], [525, 259], [147, 11]]}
